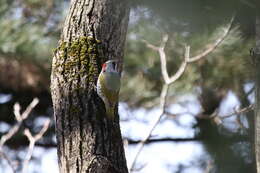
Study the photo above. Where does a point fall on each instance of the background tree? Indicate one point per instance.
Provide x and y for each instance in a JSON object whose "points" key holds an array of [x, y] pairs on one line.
{"points": [[256, 56]]}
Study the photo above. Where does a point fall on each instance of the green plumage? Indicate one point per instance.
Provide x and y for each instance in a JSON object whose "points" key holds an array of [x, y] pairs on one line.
{"points": [[109, 90]]}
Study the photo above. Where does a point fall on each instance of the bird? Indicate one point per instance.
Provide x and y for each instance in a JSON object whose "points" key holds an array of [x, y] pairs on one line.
{"points": [[108, 86]]}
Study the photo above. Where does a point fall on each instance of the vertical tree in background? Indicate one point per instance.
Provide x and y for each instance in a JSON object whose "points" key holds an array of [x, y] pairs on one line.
{"points": [[256, 56], [94, 31]]}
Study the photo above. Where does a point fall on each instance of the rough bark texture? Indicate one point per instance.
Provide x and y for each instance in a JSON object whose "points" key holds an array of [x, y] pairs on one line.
{"points": [[94, 32], [257, 97]]}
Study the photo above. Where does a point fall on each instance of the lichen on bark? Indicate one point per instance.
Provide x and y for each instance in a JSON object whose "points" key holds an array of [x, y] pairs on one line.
{"points": [[77, 59]]}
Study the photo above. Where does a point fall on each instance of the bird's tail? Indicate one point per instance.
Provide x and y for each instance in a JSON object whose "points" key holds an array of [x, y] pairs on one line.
{"points": [[110, 111]]}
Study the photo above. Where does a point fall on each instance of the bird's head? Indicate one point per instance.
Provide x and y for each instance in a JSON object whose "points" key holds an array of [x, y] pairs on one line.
{"points": [[111, 66]]}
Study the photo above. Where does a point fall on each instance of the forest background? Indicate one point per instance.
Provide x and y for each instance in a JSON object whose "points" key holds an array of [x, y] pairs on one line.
{"points": [[207, 121]]}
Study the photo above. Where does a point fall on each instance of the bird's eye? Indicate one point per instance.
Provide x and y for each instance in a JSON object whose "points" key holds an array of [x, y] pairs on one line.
{"points": [[114, 65]]}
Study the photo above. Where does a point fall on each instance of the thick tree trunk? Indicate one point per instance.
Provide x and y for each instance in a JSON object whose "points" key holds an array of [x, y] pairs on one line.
{"points": [[257, 97], [94, 32]]}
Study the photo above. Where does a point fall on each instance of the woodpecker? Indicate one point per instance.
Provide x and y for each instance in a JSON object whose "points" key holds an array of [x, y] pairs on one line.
{"points": [[108, 86]]}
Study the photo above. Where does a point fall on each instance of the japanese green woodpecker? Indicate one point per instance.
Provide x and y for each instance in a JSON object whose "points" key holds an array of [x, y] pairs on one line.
{"points": [[108, 86]]}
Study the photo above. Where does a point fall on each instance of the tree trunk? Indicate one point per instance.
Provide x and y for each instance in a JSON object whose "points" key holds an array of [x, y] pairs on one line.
{"points": [[244, 100], [94, 31], [257, 95]]}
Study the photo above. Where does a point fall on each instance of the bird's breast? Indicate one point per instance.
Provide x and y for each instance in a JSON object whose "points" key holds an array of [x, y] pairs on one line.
{"points": [[112, 81]]}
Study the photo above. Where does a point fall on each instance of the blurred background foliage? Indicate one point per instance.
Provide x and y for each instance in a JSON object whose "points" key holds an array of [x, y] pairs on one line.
{"points": [[30, 29]]}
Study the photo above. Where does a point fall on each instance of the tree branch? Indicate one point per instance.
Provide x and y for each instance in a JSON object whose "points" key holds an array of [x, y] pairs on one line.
{"points": [[213, 46], [187, 58], [162, 110], [157, 140], [12, 131], [8, 160], [219, 118], [239, 111], [32, 140], [181, 69], [19, 117], [170, 80]]}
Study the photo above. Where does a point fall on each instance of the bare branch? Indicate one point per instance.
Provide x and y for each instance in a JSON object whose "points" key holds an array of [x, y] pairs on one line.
{"points": [[238, 112], [250, 91], [9, 134], [169, 80], [178, 74], [139, 167], [219, 118], [19, 119], [182, 68], [43, 130], [29, 108], [8, 160], [177, 140], [187, 58], [163, 59], [162, 110], [149, 45], [161, 51], [17, 112], [32, 139], [166, 139], [174, 115], [213, 46]]}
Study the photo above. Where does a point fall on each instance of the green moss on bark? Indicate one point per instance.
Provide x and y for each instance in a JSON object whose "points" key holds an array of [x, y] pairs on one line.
{"points": [[77, 60]]}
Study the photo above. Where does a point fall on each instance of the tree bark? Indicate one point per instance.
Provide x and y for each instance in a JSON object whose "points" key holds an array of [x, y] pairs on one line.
{"points": [[244, 100], [94, 31], [256, 57]]}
